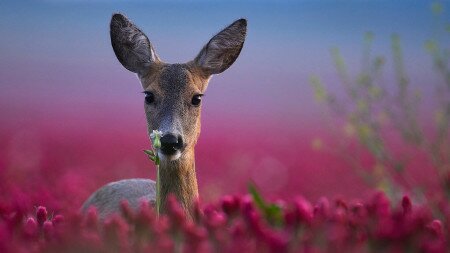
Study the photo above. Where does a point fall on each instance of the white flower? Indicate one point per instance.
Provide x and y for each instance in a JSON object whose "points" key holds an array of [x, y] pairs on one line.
{"points": [[156, 138], [156, 133]]}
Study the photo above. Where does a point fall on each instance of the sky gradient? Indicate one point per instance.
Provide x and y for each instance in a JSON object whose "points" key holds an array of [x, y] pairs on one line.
{"points": [[59, 53]]}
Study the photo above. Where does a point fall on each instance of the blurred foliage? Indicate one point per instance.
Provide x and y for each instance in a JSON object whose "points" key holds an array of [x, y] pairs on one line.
{"points": [[373, 110], [272, 212], [233, 224]]}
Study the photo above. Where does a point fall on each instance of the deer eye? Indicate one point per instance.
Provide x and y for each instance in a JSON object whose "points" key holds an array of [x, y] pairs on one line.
{"points": [[149, 97], [196, 99]]}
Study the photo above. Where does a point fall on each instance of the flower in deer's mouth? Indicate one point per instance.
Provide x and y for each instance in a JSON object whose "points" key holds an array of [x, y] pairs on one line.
{"points": [[156, 138], [155, 133]]}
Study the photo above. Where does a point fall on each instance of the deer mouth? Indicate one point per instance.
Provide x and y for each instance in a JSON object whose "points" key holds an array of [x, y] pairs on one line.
{"points": [[169, 155]]}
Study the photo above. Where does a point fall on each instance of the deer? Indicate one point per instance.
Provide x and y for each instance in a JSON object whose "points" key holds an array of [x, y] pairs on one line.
{"points": [[172, 104]]}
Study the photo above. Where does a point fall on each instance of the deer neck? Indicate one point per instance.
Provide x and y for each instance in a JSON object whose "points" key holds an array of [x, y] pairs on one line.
{"points": [[178, 178]]}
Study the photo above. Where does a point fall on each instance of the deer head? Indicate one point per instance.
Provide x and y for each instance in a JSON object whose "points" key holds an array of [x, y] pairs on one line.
{"points": [[173, 92]]}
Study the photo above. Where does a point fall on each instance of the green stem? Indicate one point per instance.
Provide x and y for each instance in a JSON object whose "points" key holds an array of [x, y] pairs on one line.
{"points": [[158, 192]]}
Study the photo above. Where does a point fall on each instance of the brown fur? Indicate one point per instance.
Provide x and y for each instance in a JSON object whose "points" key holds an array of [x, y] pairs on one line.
{"points": [[173, 87], [179, 178]]}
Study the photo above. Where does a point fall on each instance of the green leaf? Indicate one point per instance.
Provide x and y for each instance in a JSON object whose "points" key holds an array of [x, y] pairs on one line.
{"points": [[274, 215], [272, 212], [259, 201], [149, 152]]}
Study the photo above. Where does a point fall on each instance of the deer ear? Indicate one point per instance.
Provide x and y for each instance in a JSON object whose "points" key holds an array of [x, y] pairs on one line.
{"points": [[223, 49], [132, 48]]}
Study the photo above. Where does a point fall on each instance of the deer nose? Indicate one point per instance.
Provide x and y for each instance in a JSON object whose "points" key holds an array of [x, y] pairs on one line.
{"points": [[171, 143]]}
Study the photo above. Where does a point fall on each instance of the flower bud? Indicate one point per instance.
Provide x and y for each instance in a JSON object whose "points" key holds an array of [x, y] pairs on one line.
{"points": [[436, 228], [406, 205], [230, 204], [157, 143], [340, 203], [380, 205], [58, 219], [358, 214], [164, 244], [290, 217], [247, 205], [145, 217], [14, 219], [91, 221], [304, 210], [31, 227], [237, 230], [126, 211], [252, 218], [276, 242], [48, 230], [194, 236], [215, 219], [41, 215], [340, 215], [116, 229], [156, 138], [322, 208]]}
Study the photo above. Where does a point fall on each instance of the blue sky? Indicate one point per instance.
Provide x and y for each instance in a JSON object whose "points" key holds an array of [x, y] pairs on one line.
{"points": [[58, 53]]}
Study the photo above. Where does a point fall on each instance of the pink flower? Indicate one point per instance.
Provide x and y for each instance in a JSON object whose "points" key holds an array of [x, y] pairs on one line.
{"points": [[31, 228], [300, 213], [340, 215], [304, 210], [341, 204], [406, 205], [14, 219], [126, 210], [277, 242], [91, 219], [175, 212], [358, 214], [230, 204], [252, 218], [48, 230], [436, 228], [322, 208], [116, 232], [145, 216], [215, 219], [164, 244], [58, 219], [379, 205], [5, 239], [195, 237], [41, 215]]}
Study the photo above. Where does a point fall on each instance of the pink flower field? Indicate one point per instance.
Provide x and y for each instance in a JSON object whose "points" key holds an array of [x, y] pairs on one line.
{"points": [[45, 180], [233, 224]]}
